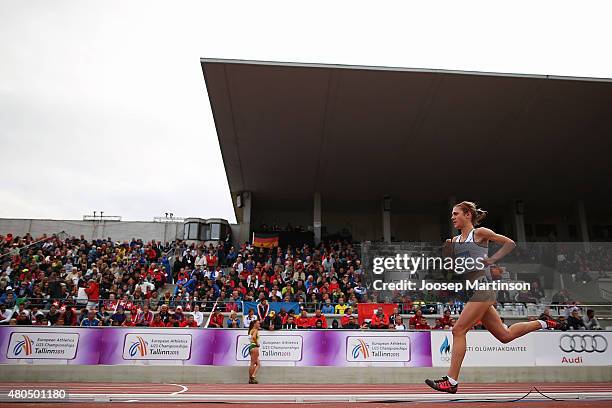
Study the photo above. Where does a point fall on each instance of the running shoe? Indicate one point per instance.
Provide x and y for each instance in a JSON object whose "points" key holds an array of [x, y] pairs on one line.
{"points": [[443, 385]]}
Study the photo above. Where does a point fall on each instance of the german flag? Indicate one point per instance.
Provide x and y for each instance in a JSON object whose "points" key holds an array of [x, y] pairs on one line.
{"points": [[265, 240]]}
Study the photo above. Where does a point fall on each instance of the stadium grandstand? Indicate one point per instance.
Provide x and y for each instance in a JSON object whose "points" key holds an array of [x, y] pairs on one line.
{"points": [[57, 280], [329, 168]]}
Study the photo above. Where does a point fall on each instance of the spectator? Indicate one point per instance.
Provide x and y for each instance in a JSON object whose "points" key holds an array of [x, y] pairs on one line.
{"points": [[546, 315], [290, 325], [216, 320], [147, 316], [394, 316], [422, 324], [22, 318], [136, 317], [347, 313], [350, 323], [249, 318], [180, 316], [3, 298], [91, 320], [93, 293], [283, 315], [157, 321], [5, 315], [233, 321], [574, 321], [341, 306], [198, 316], [318, 317], [173, 322], [189, 322], [272, 322], [379, 319], [69, 317], [412, 322], [447, 320], [303, 321], [399, 324], [327, 307], [590, 321], [560, 298]]}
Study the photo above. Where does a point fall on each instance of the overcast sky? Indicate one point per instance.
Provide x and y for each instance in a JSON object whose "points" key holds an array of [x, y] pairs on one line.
{"points": [[103, 105]]}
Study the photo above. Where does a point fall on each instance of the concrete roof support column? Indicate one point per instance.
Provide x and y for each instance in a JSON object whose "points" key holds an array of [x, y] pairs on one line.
{"points": [[583, 226], [452, 200], [518, 222], [386, 218], [245, 227], [317, 218]]}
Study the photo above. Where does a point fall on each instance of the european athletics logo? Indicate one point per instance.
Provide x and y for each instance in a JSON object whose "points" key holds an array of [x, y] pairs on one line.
{"points": [[246, 351], [24, 345], [139, 346], [361, 349]]}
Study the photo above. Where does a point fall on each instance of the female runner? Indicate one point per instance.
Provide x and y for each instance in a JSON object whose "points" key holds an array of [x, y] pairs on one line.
{"points": [[473, 243], [254, 350]]}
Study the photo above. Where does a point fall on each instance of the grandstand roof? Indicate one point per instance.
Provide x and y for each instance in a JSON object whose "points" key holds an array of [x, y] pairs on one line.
{"points": [[288, 130]]}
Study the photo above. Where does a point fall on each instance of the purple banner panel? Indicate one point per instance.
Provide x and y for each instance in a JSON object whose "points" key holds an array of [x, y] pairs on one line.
{"points": [[49, 345], [143, 346]]}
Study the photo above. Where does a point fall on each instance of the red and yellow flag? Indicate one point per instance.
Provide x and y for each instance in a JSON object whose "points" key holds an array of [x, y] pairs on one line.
{"points": [[265, 240]]}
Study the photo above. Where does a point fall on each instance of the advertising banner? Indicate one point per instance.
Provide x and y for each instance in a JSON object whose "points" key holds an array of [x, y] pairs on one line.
{"points": [[272, 348], [484, 350], [157, 346], [364, 348], [49, 345], [213, 347], [573, 348]]}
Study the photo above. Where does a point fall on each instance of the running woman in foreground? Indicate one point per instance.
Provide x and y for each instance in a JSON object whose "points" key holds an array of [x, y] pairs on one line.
{"points": [[474, 243], [254, 350]]}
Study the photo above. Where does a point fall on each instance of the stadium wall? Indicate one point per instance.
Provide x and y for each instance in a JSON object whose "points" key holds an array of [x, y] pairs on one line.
{"points": [[119, 354], [116, 230], [306, 348]]}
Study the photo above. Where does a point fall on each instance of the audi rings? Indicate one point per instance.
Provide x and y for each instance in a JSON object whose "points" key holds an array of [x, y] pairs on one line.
{"points": [[583, 343]]}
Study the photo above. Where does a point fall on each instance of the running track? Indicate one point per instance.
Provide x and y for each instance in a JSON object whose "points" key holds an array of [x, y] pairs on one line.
{"points": [[339, 395]]}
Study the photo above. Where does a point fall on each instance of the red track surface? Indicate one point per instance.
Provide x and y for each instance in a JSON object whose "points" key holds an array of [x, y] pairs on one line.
{"points": [[272, 389], [184, 390], [550, 404]]}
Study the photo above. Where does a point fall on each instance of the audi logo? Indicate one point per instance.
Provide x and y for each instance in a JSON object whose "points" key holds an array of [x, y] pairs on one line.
{"points": [[583, 343]]}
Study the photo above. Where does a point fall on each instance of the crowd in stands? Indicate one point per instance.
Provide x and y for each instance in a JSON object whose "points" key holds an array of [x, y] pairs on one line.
{"points": [[583, 266], [68, 281], [572, 318], [571, 259]]}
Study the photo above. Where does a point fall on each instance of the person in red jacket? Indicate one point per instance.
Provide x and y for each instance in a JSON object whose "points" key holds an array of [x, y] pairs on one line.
{"points": [[303, 321], [190, 322], [157, 321], [422, 324], [211, 261], [216, 320], [415, 319], [318, 317], [147, 316], [173, 322], [93, 294], [348, 312], [379, 319]]}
